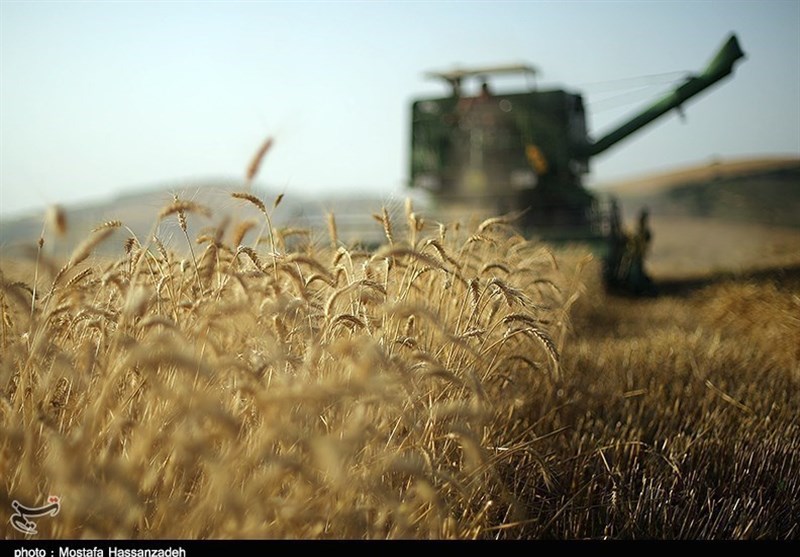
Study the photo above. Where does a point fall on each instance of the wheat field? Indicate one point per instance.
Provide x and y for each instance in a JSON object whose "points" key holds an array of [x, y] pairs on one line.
{"points": [[458, 381], [258, 390]]}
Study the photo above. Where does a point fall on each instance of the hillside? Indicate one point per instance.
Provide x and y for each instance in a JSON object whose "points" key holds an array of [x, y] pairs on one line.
{"points": [[138, 211], [764, 191], [726, 216]]}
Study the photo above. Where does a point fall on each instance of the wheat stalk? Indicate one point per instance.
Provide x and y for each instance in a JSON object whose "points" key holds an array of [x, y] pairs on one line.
{"points": [[258, 158], [268, 222]]}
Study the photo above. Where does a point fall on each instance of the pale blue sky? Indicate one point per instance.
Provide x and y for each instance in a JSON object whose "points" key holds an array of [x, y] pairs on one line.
{"points": [[100, 97]]}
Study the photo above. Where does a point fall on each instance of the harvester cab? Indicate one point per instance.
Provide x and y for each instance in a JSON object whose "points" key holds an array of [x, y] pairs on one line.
{"points": [[484, 151]]}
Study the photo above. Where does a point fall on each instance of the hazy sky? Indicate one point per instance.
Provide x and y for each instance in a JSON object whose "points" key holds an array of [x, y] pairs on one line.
{"points": [[100, 97]]}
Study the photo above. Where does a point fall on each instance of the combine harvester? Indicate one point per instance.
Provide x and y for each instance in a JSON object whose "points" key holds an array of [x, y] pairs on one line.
{"points": [[527, 152]]}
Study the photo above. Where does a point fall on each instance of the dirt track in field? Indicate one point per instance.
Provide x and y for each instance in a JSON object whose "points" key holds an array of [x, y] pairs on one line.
{"points": [[685, 248]]}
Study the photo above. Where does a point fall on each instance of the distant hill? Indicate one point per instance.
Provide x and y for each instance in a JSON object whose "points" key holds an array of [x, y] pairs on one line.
{"points": [[139, 211], [765, 191]]}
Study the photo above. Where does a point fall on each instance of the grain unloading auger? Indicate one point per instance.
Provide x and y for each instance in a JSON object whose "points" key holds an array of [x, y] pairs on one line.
{"points": [[528, 151]]}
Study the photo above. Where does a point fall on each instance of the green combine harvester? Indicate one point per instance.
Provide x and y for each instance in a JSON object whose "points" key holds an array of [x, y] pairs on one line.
{"points": [[527, 152]]}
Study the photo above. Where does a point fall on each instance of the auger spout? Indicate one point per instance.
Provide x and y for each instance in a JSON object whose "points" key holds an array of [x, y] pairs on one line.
{"points": [[720, 66]]}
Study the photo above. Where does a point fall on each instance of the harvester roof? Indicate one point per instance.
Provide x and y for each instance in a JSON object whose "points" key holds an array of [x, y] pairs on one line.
{"points": [[457, 75]]}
